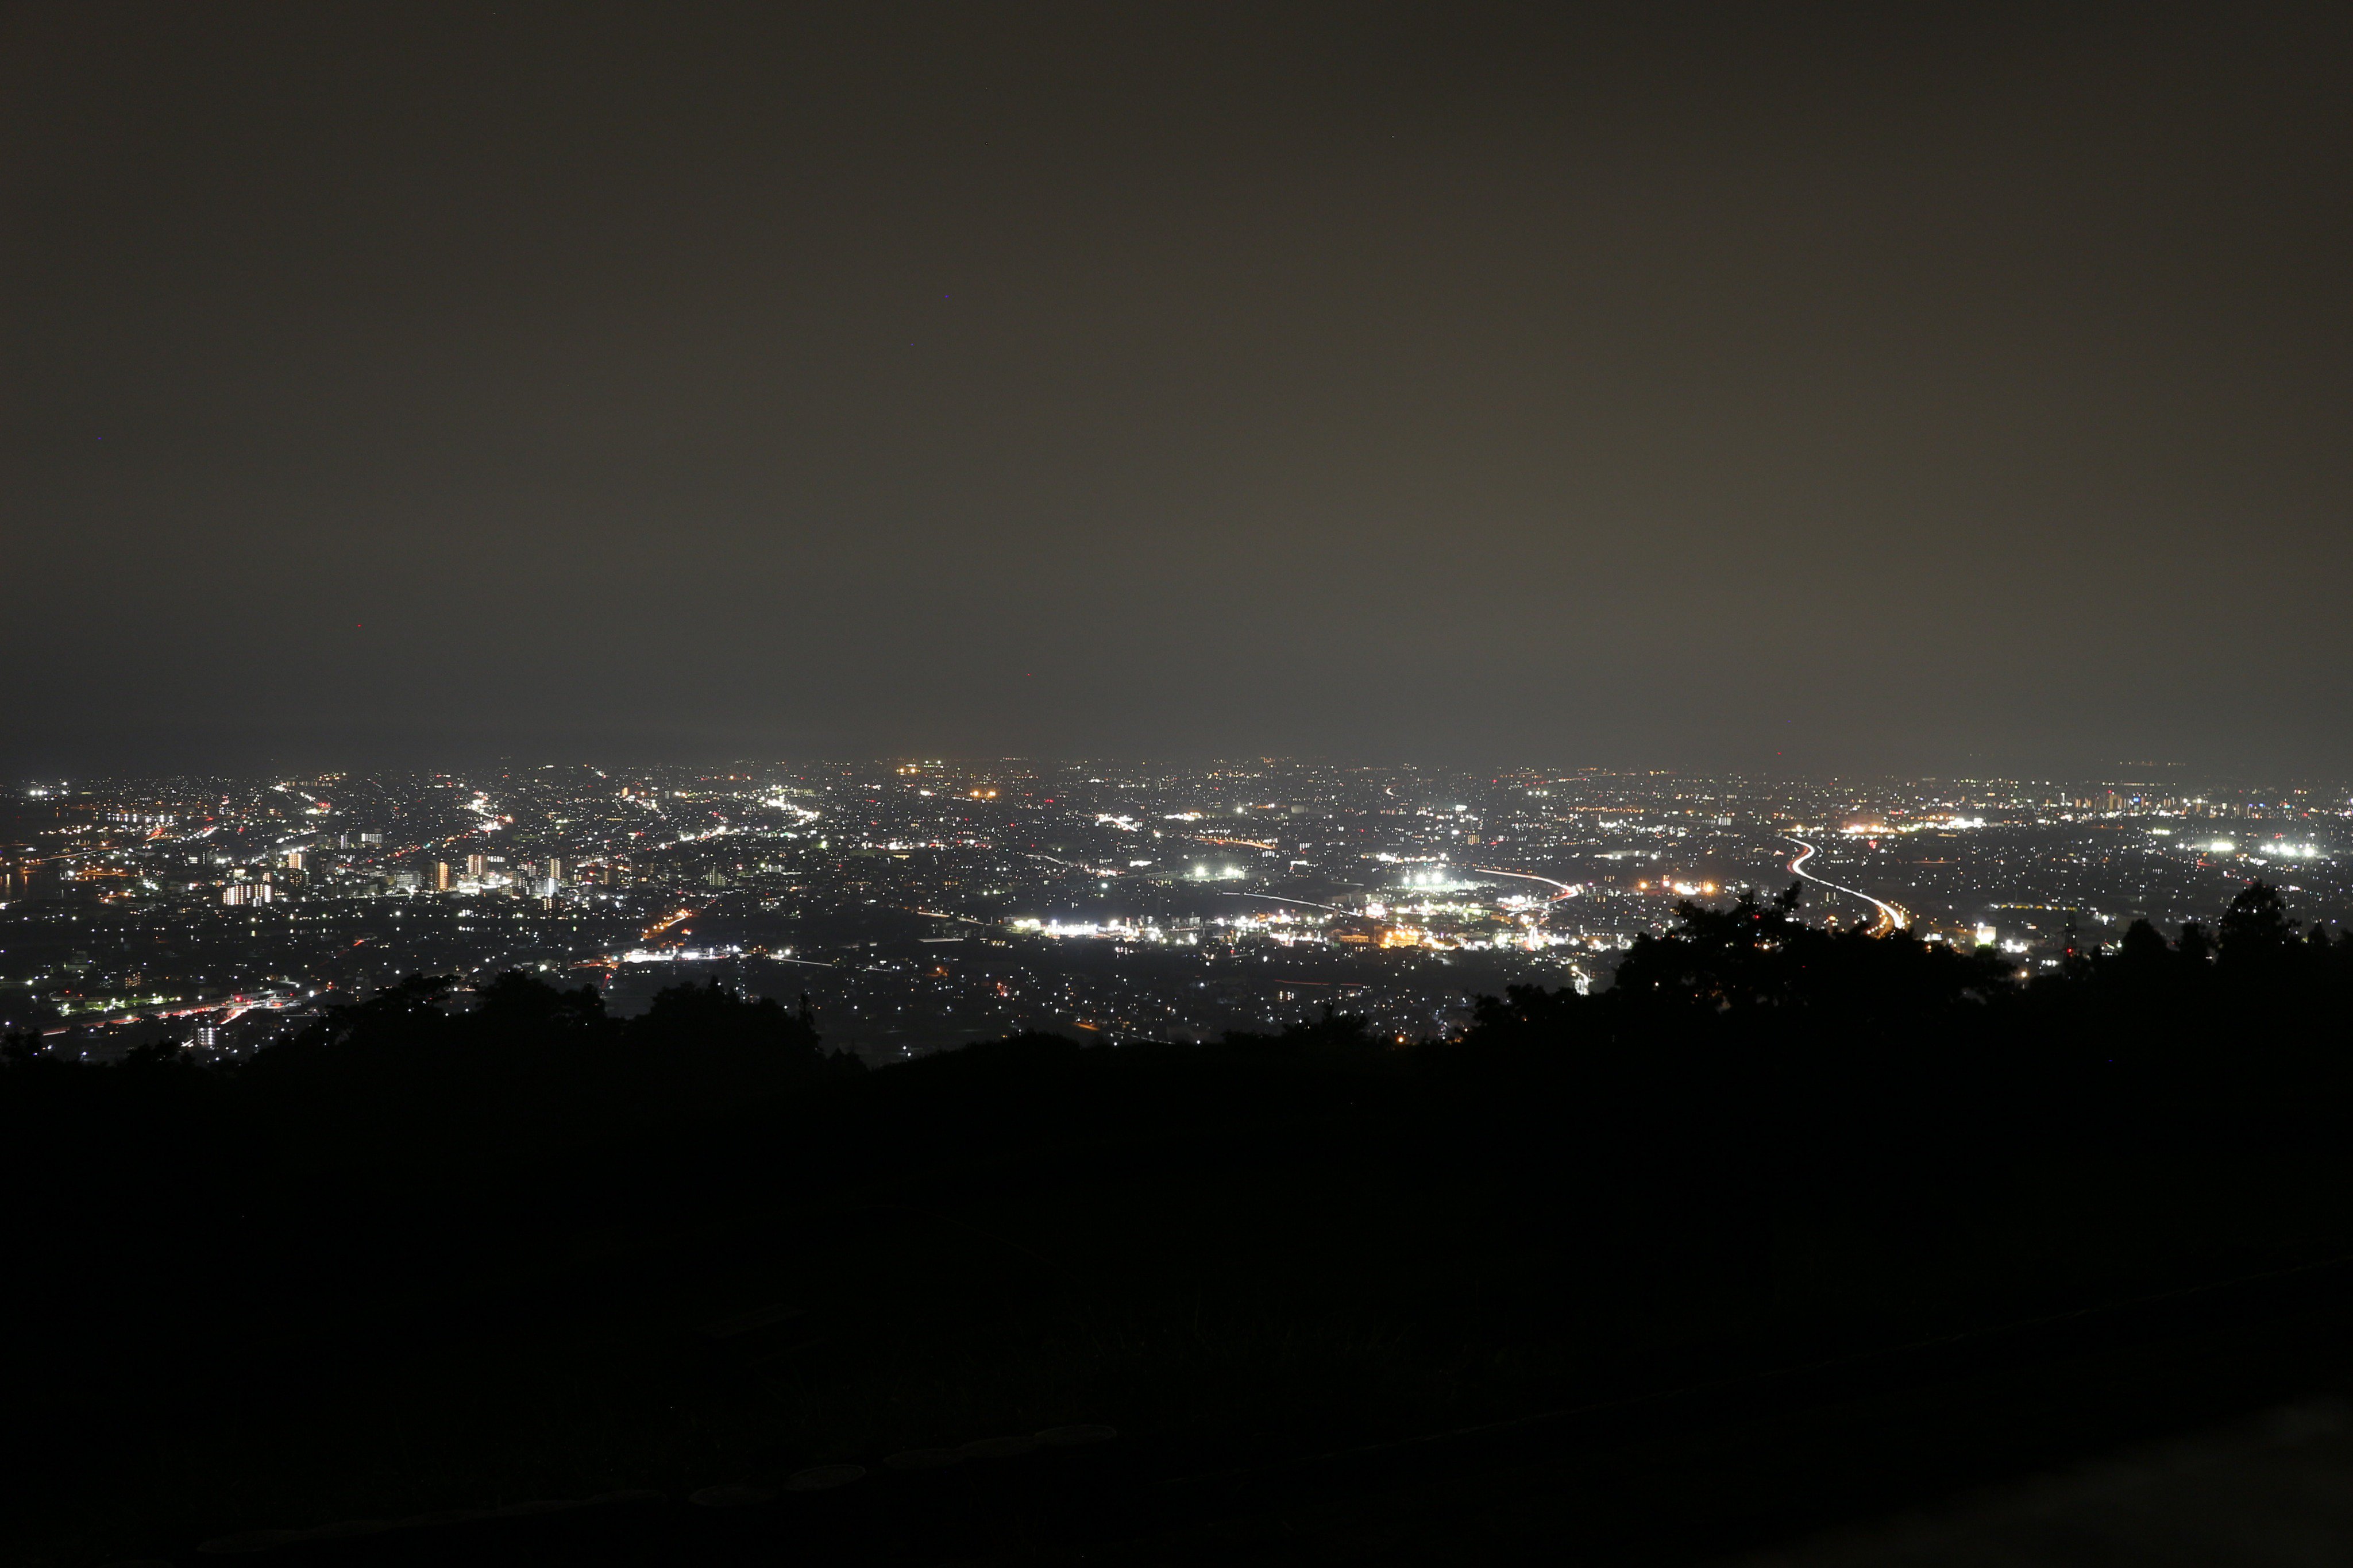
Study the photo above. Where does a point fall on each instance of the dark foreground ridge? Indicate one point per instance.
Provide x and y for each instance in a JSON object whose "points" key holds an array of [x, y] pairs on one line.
{"points": [[1785, 1230]]}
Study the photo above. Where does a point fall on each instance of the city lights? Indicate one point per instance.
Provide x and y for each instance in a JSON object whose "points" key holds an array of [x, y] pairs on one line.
{"points": [[876, 880]]}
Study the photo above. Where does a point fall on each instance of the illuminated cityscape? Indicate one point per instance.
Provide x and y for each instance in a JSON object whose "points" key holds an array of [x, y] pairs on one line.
{"points": [[912, 784], [923, 905]]}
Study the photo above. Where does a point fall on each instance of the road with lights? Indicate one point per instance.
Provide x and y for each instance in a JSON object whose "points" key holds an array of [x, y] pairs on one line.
{"points": [[1566, 890], [1892, 917]]}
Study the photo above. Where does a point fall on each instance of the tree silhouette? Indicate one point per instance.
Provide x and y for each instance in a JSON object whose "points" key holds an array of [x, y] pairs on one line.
{"points": [[2256, 922], [2143, 949], [515, 1001]]}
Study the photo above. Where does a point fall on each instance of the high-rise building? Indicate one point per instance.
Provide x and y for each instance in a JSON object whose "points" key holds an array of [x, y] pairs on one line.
{"points": [[440, 876], [555, 867], [477, 866]]}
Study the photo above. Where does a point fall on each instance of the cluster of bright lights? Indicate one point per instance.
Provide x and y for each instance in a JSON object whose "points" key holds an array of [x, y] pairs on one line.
{"points": [[1927, 824], [1115, 930]]}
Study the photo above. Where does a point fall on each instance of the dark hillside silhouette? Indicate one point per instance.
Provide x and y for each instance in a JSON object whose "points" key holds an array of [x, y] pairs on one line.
{"points": [[450, 1246]]}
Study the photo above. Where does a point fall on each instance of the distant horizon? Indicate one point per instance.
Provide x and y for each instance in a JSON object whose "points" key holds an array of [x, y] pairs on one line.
{"points": [[2170, 775], [121, 759]]}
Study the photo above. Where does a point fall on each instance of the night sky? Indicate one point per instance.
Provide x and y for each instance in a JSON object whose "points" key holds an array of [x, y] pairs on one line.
{"points": [[1765, 386]]}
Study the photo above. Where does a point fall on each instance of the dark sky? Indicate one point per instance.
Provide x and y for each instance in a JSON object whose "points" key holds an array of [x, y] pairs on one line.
{"points": [[1757, 385]]}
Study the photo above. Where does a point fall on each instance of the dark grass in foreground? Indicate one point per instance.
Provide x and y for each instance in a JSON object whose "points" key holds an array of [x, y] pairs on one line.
{"points": [[430, 1259]]}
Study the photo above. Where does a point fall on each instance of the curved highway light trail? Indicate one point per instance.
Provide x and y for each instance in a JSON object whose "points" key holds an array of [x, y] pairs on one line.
{"points": [[1566, 890], [1306, 903], [1891, 917]]}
